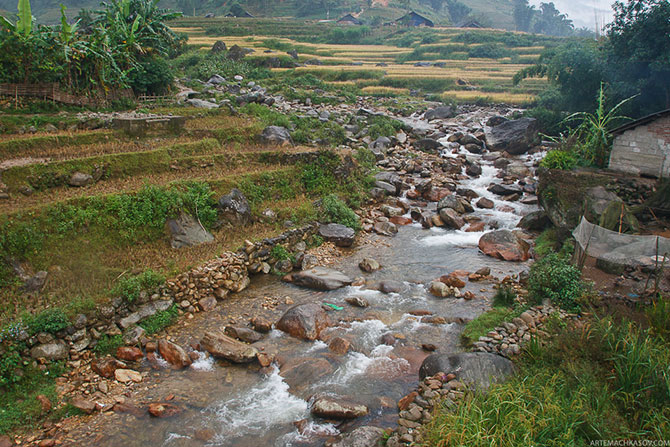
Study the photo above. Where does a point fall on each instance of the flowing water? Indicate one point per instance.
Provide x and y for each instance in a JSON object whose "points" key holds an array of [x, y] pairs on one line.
{"points": [[245, 406]]}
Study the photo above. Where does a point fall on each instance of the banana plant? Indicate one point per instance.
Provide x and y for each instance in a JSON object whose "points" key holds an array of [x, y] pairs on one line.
{"points": [[24, 25]]}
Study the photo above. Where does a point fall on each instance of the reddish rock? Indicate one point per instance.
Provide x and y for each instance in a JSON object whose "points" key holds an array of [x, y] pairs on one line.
{"points": [[301, 372], [47, 443], [434, 319], [129, 353], [106, 366], [173, 354], [468, 295], [400, 220], [504, 244], [475, 227], [436, 194], [5, 441], [82, 404], [163, 409], [260, 324], [264, 359], [413, 194], [485, 203], [452, 281], [151, 347], [388, 339], [429, 347], [305, 321], [45, 403], [123, 407], [242, 333], [451, 218], [339, 345], [420, 312], [404, 403]]}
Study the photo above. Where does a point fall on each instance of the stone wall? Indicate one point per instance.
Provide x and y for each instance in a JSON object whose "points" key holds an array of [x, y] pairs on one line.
{"points": [[196, 290], [643, 150]]}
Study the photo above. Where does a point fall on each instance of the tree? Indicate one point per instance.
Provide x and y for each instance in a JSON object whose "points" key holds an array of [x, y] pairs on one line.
{"points": [[523, 15], [550, 21], [458, 11], [638, 45]]}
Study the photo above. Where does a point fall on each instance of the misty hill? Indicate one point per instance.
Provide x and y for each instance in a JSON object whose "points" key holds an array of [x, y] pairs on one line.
{"points": [[491, 13]]}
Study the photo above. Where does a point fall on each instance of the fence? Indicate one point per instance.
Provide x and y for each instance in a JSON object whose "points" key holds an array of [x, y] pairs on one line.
{"points": [[52, 92], [617, 249], [157, 99]]}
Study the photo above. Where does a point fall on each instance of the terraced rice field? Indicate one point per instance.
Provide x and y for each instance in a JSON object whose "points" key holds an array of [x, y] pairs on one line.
{"points": [[390, 70]]}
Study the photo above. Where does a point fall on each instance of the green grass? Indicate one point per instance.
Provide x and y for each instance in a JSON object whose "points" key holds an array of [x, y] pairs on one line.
{"points": [[130, 287], [487, 321], [160, 320], [11, 148], [108, 344]]}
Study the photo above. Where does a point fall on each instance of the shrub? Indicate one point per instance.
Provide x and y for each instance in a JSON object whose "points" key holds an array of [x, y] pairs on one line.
{"points": [[129, 288], [160, 320], [280, 253], [335, 210], [108, 344], [152, 75], [504, 297], [383, 126], [556, 159], [554, 278], [659, 317], [9, 362], [49, 320]]}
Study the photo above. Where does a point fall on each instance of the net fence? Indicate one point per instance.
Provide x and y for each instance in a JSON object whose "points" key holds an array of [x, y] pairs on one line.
{"points": [[621, 249]]}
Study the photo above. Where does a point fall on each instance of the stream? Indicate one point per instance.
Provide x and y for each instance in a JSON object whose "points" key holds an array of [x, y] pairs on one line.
{"points": [[247, 406]]}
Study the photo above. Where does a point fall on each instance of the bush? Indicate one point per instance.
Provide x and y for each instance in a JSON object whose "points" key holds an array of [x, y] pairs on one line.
{"points": [[160, 320], [335, 210], [152, 75], [557, 159], [280, 253], [504, 297], [383, 126], [10, 361], [108, 344], [554, 278], [49, 320], [129, 288]]}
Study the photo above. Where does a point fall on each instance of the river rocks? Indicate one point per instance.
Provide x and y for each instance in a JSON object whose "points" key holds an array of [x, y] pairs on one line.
{"points": [[106, 366], [369, 265], [340, 235], [328, 407], [361, 437], [299, 373], [381, 145], [173, 354], [234, 208], [357, 301], [485, 203], [442, 112], [244, 334], [261, 324], [133, 335], [56, 350], [79, 179], [504, 190], [504, 244], [473, 169], [127, 375], [227, 273], [390, 286], [319, 278], [220, 345], [163, 409], [391, 211], [129, 353], [276, 136], [451, 219], [479, 369], [201, 103], [85, 405], [514, 137], [440, 289], [185, 231], [339, 345], [535, 221], [451, 202], [385, 228], [305, 321], [428, 144]]}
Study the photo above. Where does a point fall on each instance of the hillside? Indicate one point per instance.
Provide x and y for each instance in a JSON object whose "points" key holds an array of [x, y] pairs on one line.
{"points": [[493, 13]]}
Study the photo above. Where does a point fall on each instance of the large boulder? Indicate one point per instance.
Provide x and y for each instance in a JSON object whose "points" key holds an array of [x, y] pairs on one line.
{"points": [[451, 219], [515, 137], [276, 136], [185, 231], [361, 437], [201, 103], [476, 369], [234, 208], [220, 345], [340, 235], [535, 221], [305, 321], [438, 113], [173, 354], [504, 244], [428, 144], [56, 350], [329, 407], [299, 373], [452, 202], [320, 278]]}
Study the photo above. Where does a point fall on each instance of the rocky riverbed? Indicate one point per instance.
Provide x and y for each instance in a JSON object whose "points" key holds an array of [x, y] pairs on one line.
{"points": [[330, 350]]}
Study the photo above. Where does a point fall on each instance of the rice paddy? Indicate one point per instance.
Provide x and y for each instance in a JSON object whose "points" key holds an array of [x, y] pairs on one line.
{"points": [[444, 65]]}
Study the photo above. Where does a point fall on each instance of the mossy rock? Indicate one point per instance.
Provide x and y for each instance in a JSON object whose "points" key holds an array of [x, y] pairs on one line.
{"points": [[618, 217]]}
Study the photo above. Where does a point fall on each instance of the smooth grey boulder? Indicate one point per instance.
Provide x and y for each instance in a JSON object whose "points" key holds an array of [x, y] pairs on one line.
{"points": [[185, 231], [56, 350], [361, 437], [339, 234], [234, 208], [515, 137], [329, 407], [442, 112], [277, 136], [220, 345], [535, 221], [80, 179], [305, 321], [320, 278], [476, 369], [201, 103]]}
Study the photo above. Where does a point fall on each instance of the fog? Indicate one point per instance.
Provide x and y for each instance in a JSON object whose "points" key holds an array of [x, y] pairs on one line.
{"points": [[582, 11]]}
